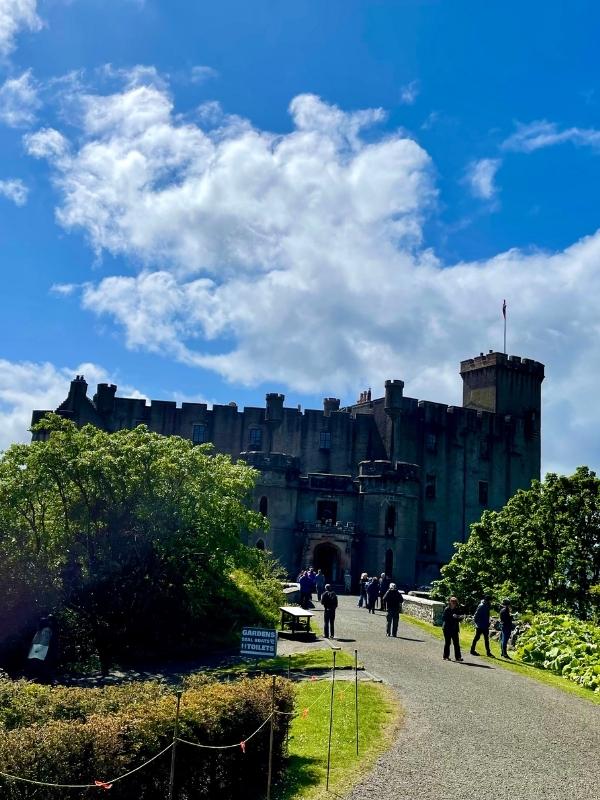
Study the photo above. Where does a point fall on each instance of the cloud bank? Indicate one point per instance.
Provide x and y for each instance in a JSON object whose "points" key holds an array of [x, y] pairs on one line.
{"points": [[301, 257], [15, 16]]}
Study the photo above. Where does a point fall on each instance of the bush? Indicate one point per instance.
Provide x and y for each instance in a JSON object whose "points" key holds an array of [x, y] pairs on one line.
{"points": [[76, 736], [564, 645]]}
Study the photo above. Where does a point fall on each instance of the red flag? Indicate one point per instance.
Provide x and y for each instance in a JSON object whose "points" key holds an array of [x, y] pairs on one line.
{"points": [[243, 746], [504, 309], [103, 785], [305, 712]]}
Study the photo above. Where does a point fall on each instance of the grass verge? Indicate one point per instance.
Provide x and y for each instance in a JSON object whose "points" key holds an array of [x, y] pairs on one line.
{"points": [[379, 718], [297, 662], [541, 675]]}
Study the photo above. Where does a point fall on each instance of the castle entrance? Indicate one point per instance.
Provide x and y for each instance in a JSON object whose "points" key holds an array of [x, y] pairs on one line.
{"points": [[327, 558]]}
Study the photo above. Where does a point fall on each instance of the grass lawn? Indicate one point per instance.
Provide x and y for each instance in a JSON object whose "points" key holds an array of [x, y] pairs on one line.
{"points": [[310, 659], [379, 718], [466, 637]]}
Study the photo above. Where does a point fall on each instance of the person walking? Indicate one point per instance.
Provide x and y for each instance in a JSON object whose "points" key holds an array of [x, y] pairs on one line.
{"points": [[372, 594], [482, 625], [329, 601], [451, 626], [392, 601], [506, 622], [319, 584], [305, 589], [384, 585], [362, 597]]}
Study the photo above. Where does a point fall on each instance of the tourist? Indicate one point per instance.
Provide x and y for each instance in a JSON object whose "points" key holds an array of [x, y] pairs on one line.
{"points": [[482, 625], [451, 626], [306, 585], [329, 601], [319, 584], [392, 602], [372, 594], [384, 585], [506, 623], [364, 579]]}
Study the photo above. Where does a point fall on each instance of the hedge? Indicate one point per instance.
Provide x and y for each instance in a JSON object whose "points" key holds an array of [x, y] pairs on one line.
{"points": [[75, 736]]}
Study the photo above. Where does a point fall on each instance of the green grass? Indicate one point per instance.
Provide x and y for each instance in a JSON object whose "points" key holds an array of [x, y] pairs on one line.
{"points": [[379, 717], [543, 676], [306, 661]]}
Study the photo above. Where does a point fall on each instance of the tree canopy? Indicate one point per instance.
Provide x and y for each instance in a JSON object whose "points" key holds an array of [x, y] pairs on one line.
{"points": [[133, 534], [542, 550]]}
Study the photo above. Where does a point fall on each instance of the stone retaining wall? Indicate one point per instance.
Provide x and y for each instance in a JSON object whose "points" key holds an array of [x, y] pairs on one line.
{"points": [[422, 608]]}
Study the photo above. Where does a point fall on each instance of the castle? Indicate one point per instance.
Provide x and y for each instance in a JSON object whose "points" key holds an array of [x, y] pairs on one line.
{"points": [[386, 484]]}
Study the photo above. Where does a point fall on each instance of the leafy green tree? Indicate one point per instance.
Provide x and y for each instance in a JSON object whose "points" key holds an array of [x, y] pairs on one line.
{"points": [[542, 549], [135, 533]]}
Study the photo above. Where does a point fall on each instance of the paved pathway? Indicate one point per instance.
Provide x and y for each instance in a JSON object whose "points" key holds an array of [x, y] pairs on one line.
{"points": [[472, 730]]}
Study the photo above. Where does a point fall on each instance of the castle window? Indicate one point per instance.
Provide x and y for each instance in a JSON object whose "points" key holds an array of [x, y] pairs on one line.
{"points": [[389, 563], [484, 448], [428, 538], [325, 440], [263, 506], [390, 521], [255, 438], [430, 487], [483, 493], [327, 511], [199, 434], [431, 442], [260, 545]]}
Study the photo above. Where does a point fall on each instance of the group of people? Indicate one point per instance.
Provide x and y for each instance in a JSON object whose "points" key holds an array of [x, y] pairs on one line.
{"points": [[311, 582], [451, 627], [373, 589]]}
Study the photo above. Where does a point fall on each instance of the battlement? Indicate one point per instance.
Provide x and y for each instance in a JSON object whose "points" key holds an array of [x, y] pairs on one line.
{"points": [[495, 359]]}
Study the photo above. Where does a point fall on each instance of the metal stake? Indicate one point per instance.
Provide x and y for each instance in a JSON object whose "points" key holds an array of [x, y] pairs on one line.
{"points": [[271, 742], [330, 722], [174, 748], [356, 694]]}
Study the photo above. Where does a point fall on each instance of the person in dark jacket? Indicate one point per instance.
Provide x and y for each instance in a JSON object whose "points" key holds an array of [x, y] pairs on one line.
{"points": [[506, 621], [451, 626], [364, 579], [392, 602], [329, 601], [306, 585], [384, 585], [482, 625], [372, 594], [319, 584]]}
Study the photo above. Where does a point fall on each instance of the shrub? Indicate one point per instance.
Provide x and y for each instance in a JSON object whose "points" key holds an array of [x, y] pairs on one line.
{"points": [[72, 735], [564, 645]]}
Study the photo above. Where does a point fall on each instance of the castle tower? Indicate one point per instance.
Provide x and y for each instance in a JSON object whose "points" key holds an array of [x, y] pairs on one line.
{"points": [[503, 384]]}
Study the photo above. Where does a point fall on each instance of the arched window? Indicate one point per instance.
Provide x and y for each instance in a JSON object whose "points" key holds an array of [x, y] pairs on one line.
{"points": [[389, 563], [260, 545], [390, 521], [263, 506]]}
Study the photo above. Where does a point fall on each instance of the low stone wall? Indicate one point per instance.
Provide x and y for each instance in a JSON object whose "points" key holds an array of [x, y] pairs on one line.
{"points": [[422, 608]]}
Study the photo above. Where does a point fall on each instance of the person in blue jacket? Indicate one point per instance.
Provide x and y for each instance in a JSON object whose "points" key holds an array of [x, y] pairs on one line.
{"points": [[506, 621], [482, 625], [372, 594]]}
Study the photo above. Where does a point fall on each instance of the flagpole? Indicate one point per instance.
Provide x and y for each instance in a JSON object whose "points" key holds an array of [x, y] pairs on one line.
{"points": [[504, 315]]}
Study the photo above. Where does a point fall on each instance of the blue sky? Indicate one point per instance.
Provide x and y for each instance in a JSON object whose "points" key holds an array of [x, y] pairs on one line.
{"points": [[214, 200]]}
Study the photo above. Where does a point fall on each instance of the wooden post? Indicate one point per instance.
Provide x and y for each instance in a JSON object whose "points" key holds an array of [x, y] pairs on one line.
{"points": [[356, 694], [270, 772], [330, 722], [174, 748]]}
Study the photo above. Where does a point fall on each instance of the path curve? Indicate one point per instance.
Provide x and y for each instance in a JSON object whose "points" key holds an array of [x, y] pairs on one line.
{"points": [[472, 730]]}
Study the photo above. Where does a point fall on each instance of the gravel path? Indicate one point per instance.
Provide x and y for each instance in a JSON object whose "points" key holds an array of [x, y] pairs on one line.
{"points": [[472, 730]]}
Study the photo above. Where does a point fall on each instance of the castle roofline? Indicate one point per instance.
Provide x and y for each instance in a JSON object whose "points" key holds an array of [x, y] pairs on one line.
{"points": [[495, 359]]}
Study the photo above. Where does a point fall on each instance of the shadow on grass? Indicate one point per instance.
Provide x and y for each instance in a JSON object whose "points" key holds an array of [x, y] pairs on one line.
{"points": [[302, 773]]}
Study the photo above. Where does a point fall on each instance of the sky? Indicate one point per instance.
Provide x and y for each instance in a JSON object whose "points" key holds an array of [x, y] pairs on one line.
{"points": [[213, 200]]}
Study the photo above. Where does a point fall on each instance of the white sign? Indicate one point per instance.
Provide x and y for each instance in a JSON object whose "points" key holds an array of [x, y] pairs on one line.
{"points": [[259, 642]]}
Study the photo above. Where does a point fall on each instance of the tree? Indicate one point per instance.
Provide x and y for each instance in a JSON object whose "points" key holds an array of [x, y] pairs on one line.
{"points": [[542, 549], [136, 533]]}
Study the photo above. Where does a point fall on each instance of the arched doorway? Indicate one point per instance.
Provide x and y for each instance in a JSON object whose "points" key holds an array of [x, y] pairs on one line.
{"points": [[260, 545], [327, 559]]}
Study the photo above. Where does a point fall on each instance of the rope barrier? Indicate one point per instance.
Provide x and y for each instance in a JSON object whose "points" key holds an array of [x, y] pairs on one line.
{"points": [[227, 746], [95, 785]]}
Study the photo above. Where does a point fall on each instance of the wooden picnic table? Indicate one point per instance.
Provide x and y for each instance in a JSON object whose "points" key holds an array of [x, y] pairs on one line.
{"points": [[296, 618]]}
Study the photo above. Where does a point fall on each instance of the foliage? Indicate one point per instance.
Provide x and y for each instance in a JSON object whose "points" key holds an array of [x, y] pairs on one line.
{"points": [[81, 735], [133, 536], [563, 645], [542, 549]]}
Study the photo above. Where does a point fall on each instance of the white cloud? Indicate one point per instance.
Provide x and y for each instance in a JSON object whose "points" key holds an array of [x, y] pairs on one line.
{"points": [[539, 134], [201, 74], [19, 100], [300, 257], [14, 189], [480, 177], [25, 386], [16, 15], [409, 93]]}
